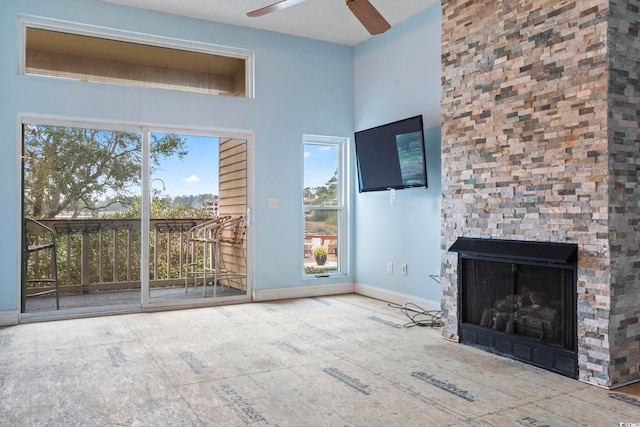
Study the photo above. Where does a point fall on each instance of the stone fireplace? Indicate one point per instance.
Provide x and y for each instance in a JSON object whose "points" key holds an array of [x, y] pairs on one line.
{"points": [[541, 143]]}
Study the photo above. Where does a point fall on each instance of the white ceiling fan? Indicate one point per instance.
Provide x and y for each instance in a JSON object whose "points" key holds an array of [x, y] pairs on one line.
{"points": [[366, 13]]}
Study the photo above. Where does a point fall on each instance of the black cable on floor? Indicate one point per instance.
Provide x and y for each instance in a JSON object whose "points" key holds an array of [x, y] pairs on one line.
{"points": [[419, 316]]}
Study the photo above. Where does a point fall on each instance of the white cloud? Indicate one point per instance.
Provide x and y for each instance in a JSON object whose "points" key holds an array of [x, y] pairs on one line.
{"points": [[306, 154], [191, 179]]}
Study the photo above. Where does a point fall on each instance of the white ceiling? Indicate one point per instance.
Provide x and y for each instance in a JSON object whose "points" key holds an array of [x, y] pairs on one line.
{"points": [[328, 20]]}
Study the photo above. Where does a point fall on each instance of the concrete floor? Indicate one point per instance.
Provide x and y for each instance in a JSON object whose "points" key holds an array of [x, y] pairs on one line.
{"points": [[329, 361]]}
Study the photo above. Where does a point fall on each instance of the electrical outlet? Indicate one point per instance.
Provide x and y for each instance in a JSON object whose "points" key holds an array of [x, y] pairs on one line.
{"points": [[389, 268], [404, 269]]}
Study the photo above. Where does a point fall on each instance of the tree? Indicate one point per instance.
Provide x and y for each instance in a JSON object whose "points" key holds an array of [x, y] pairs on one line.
{"points": [[326, 195], [192, 199], [75, 170], [160, 208]]}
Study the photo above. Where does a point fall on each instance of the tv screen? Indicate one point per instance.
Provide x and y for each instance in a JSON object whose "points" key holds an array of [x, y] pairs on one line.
{"points": [[392, 156]]}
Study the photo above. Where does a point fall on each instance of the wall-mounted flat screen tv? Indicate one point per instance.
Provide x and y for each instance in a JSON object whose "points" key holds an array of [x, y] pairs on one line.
{"points": [[392, 156]]}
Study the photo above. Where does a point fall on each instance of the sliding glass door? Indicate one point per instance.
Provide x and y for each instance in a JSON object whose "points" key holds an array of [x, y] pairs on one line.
{"points": [[126, 217], [81, 217]]}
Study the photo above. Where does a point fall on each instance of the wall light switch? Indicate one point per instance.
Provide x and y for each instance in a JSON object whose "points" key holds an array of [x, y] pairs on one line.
{"points": [[273, 202]]}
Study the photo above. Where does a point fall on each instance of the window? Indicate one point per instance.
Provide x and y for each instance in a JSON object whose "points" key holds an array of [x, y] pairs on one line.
{"points": [[114, 57], [323, 206]]}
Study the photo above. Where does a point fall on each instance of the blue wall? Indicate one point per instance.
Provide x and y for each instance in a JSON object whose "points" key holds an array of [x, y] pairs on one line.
{"points": [[397, 75], [302, 86]]}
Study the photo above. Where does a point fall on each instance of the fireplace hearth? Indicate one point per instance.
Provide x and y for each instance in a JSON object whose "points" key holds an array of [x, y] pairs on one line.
{"points": [[518, 299]]}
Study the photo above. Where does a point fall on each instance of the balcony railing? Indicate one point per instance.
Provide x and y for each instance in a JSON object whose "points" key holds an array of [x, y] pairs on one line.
{"points": [[96, 255], [104, 254]]}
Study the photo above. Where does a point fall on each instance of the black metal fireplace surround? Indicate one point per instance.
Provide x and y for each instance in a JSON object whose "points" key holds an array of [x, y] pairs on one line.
{"points": [[518, 299]]}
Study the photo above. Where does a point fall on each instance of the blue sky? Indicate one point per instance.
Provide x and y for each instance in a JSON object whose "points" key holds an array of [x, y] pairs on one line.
{"points": [[320, 162], [196, 173]]}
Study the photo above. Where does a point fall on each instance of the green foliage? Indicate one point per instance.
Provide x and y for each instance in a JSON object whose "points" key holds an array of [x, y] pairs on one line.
{"points": [[160, 208], [327, 217], [320, 251], [184, 211], [74, 170], [192, 199], [323, 221], [326, 195], [314, 270], [169, 249]]}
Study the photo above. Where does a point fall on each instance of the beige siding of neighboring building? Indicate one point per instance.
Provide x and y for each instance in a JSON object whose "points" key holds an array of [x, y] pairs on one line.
{"points": [[233, 199]]}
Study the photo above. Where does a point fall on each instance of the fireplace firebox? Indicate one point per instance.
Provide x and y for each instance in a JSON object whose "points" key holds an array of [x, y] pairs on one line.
{"points": [[518, 299]]}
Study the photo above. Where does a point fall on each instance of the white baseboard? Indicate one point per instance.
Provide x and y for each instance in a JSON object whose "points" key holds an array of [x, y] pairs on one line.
{"points": [[395, 297], [301, 292], [8, 318], [343, 288]]}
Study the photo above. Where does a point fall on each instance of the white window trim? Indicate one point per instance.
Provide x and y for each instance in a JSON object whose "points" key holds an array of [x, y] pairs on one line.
{"points": [[343, 212]]}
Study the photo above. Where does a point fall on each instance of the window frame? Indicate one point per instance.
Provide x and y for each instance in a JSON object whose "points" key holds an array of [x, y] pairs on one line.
{"points": [[27, 21], [341, 207]]}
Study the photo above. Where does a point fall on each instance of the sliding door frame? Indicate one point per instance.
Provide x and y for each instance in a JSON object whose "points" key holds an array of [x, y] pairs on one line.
{"points": [[146, 215], [144, 130]]}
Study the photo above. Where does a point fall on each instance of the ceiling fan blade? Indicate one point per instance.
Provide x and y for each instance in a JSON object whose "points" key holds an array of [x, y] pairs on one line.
{"points": [[282, 4], [368, 16]]}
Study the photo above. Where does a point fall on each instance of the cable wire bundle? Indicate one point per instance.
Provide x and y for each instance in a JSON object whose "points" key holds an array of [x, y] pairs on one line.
{"points": [[419, 316]]}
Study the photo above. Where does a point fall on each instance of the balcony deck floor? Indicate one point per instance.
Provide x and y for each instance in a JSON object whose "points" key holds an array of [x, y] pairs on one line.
{"points": [[123, 298]]}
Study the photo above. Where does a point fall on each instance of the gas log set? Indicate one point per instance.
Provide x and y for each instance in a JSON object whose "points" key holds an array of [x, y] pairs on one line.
{"points": [[527, 313]]}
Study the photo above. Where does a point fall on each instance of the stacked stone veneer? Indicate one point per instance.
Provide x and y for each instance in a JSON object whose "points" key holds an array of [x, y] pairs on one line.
{"points": [[540, 142]]}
